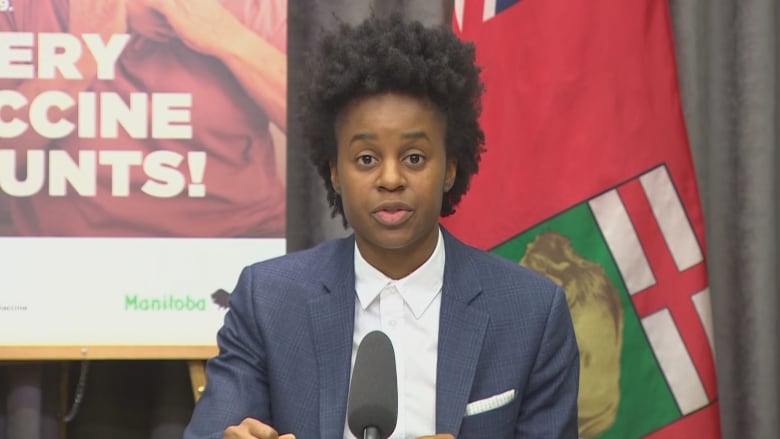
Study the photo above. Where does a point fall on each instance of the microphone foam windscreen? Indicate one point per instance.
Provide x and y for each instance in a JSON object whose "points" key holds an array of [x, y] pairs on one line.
{"points": [[373, 391]]}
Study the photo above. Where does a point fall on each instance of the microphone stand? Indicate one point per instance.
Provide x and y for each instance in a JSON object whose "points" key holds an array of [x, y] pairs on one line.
{"points": [[371, 433]]}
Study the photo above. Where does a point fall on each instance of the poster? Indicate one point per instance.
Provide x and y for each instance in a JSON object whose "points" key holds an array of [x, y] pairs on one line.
{"points": [[142, 166]]}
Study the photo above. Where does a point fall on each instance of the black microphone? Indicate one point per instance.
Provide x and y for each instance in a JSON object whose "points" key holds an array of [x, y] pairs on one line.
{"points": [[372, 408]]}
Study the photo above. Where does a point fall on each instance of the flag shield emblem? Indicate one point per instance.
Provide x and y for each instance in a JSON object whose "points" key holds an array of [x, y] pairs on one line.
{"points": [[638, 375]]}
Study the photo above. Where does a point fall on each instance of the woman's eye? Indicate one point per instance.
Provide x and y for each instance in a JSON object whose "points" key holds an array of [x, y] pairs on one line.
{"points": [[365, 159], [415, 159]]}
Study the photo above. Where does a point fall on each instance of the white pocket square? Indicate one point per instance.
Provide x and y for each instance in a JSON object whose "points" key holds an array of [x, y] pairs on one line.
{"points": [[490, 403]]}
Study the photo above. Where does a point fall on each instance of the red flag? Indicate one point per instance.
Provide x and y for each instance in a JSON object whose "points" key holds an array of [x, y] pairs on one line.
{"points": [[587, 158]]}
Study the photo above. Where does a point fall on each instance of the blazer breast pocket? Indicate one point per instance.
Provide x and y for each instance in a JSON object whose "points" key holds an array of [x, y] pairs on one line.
{"points": [[493, 417]]}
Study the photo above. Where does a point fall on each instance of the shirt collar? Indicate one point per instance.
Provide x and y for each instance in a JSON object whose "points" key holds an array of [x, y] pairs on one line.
{"points": [[418, 289]]}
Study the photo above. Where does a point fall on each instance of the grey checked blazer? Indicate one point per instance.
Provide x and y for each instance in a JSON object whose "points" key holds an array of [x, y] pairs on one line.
{"points": [[507, 352]]}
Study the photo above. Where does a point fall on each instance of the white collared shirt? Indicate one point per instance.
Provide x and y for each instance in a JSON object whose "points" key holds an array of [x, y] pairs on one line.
{"points": [[407, 310]]}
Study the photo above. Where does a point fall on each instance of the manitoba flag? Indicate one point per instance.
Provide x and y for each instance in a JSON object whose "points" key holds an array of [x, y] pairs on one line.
{"points": [[588, 179]]}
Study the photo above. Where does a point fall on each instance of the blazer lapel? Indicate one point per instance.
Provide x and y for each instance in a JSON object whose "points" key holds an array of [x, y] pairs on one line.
{"points": [[461, 332], [332, 316]]}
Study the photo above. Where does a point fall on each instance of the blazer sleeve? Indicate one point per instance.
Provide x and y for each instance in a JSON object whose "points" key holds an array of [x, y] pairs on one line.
{"points": [[549, 407], [237, 385]]}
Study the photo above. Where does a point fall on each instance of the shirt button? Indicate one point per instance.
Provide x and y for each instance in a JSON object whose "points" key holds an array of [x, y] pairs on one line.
{"points": [[393, 323]]}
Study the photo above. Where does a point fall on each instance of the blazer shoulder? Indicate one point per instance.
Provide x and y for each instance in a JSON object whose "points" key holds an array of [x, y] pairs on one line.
{"points": [[289, 281], [312, 261], [498, 268], [505, 285]]}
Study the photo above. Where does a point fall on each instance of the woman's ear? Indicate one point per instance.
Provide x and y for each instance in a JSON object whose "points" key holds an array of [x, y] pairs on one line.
{"points": [[334, 178], [450, 173]]}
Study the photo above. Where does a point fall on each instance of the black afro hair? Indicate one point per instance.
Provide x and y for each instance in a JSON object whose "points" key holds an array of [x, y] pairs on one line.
{"points": [[392, 55]]}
